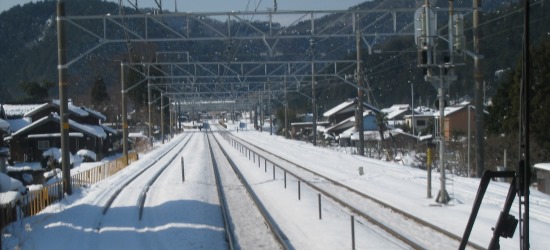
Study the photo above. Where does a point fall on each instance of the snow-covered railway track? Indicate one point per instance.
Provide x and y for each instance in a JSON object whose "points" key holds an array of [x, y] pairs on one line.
{"points": [[396, 222], [161, 159], [248, 224]]}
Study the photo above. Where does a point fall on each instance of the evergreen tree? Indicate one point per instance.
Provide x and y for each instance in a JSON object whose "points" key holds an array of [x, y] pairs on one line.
{"points": [[99, 93], [36, 92], [504, 113]]}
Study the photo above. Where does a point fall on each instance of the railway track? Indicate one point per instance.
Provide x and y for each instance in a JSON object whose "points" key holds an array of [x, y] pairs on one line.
{"points": [[356, 202], [263, 232], [143, 194]]}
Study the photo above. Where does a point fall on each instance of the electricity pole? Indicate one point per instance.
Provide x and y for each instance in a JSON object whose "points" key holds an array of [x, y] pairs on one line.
{"points": [[63, 100], [478, 94], [359, 117]]}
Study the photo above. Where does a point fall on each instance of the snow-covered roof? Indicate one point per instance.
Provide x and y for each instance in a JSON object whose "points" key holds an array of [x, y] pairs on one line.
{"points": [[108, 129], [49, 135], [93, 130], [338, 107], [18, 110], [55, 103], [345, 105], [17, 124], [347, 122], [543, 166], [94, 113], [396, 110]]}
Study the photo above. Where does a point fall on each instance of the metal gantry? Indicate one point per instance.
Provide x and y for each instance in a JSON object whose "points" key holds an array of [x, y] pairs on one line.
{"points": [[236, 73]]}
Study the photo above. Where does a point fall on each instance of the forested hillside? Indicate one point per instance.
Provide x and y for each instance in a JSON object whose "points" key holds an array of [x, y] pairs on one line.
{"points": [[28, 53]]}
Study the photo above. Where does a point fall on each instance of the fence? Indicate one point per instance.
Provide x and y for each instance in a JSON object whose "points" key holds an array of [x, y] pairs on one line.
{"points": [[35, 201]]}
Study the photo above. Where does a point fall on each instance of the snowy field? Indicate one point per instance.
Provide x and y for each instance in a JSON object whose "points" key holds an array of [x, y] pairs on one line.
{"points": [[185, 215]]}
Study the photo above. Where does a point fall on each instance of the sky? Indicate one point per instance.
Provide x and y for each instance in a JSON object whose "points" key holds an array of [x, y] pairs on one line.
{"points": [[187, 213], [229, 5]]}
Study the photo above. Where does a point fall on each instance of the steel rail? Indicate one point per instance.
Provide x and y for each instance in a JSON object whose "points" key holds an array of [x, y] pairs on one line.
{"points": [[355, 191], [274, 228]]}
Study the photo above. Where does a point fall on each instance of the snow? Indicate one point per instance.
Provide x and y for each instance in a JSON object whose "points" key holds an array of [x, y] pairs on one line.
{"points": [[56, 154], [9, 184], [17, 124], [24, 166], [94, 113], [9, 197], [88, 153], [338, 107], [186, 215], [543, 166], [18, 110]]}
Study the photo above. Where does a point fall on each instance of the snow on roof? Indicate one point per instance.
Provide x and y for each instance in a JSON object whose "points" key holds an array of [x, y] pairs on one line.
{"points": [[18, 110], [50, 135], [108, 129], [72, 108], [396, 110], [347, 104], [17, 124], [93, 130], [345, 123], [348, 121], [94, 113], [338, 107], [55, 103], [543, 166]]}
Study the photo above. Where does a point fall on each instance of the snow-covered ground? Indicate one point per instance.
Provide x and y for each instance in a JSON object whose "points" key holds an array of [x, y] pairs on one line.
{"points": [[185, 215]]}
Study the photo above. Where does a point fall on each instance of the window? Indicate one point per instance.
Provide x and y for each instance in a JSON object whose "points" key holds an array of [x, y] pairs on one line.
{"points": [[43, 145], [420, 123]]}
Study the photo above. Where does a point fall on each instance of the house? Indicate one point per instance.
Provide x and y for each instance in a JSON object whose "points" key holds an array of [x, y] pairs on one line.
{"points": [[39, 129], [369, 123], [345, 110], [423, 119], [4, 126], [543, 177], [456, 119], [396, 114]]}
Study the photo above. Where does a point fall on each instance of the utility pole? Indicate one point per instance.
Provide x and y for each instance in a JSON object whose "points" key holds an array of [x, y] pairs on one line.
{"points": [[270, 111], [313, 98], [286, 109], [149, 103], [412, 109], [63, 100], [124, 114], [360, 110], [525, 165], [478, 93], [162, 117]]}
